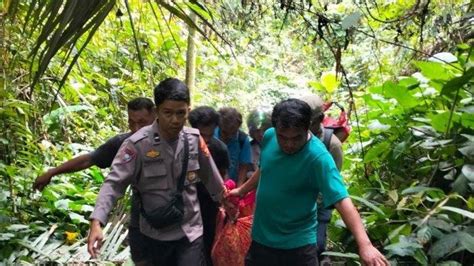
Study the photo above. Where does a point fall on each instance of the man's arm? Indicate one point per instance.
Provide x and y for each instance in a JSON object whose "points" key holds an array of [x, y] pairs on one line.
{"points": [[336, 151], [124, 168], [242, 174], [245, 160], [249, 185], [76, 164], [368, 253], [102, 157]]}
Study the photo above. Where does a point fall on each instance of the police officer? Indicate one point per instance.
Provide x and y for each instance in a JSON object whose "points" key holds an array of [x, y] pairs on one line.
{"points": [[140, 114], [151, 161]]}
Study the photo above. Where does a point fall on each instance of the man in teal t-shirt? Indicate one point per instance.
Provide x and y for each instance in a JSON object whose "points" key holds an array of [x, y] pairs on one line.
{"points": [[294, 168]]}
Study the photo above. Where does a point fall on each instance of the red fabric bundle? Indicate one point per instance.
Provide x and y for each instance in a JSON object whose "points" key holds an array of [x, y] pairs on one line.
{"points": [[247, 204], [340, 125], [232, 240]]}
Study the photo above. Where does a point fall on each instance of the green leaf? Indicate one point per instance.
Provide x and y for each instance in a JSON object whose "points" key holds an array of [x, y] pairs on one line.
{"points": [[368, 204], [440, 121], [375, 152], [17, 227], [443, 57], [468, 171], [424, 235], [62, 204], [448, 263], [316, 85], [97, 175], [77, 218], [376, 125], [409, 83], [403, 229], [467, 120], [464, 213], [55, 115], [444, 246], [393, 194], [342, 255], [196, 7], [467, 151], [399, 93], [421, 257], [470, 203], [467, 241], [6, 236], [405, 247], [418, 189], [457, 82], [351, 20], [434, 70], [329, 81]]}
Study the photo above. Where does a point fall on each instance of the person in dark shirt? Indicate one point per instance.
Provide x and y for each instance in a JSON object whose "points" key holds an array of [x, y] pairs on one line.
{"points": [[140, 113], [206, 119]]}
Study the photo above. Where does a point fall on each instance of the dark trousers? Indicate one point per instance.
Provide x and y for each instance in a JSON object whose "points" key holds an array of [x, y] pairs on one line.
{"points": [[209, 210], [260, 255], [149, 251], [324, 217]]}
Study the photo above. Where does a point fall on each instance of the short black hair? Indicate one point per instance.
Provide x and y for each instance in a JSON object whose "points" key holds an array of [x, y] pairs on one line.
{"points": [[230, 115], [171, 89], [140, 103], [291, 113], [203, 116]]}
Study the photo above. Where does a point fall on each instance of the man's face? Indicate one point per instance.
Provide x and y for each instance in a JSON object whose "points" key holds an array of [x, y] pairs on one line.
{"points": [[140, 118], [257, 134], [316, 121], [291, 140], [228, 130], [207, 132], [171, 117]]}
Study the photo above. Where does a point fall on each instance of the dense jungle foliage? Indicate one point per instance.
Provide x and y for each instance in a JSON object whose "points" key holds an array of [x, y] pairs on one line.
{"points": [[403, 67]]}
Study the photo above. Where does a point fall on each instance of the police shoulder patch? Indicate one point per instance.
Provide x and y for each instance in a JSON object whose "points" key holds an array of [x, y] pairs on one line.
{"points": [[203, 147], [126, 154]]}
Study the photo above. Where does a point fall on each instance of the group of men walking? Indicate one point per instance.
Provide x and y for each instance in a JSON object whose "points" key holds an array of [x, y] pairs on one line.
{"points": [[177, 173]]}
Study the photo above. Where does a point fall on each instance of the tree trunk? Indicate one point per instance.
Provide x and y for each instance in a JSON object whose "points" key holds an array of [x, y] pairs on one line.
{"points": [[191, 55]]}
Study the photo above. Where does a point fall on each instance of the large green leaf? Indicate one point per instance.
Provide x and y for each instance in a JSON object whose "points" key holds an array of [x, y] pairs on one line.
{"points": [[418, 189], [55, 115], [440, 121], [464, 213], [375, 152], [329, 81], [401, 94], [444, 246], [467, 120], [468, 151], [458, 82], [342, 255], [434, 70], [368, 204], [468, 171], [405, 247], [467, 241]]}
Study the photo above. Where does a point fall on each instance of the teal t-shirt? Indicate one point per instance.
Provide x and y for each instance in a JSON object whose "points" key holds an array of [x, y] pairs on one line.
{"points": [[285, 212]]}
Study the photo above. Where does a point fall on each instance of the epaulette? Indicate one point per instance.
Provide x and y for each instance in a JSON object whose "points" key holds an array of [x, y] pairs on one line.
{"points": [[191, 130], [140, 134]]}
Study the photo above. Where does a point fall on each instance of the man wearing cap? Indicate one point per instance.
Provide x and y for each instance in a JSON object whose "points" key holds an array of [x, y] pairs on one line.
{"points": [[258, 121], [334, 146]]}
